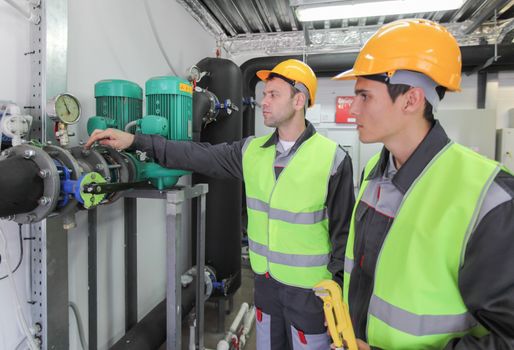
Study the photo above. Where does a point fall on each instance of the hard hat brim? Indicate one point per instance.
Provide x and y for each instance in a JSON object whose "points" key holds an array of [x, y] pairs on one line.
{"points": [[346, 75], [263, 74]]}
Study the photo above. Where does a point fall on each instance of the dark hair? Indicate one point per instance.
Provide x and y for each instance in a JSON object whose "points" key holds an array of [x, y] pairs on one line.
{"points": [[396, 90], [290, 82]]}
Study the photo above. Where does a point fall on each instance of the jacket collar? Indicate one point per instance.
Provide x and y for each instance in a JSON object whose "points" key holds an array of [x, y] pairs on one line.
{"points": [[431, 145], [307, 133]]}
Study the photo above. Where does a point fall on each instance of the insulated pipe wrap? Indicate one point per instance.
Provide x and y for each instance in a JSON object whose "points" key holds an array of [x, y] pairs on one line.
{"points": [[223, 206]]}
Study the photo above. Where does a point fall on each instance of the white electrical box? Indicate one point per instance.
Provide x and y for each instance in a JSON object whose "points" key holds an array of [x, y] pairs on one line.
{"points": [[505, 147]]}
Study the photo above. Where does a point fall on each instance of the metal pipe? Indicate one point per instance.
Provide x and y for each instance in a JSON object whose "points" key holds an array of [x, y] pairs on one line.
{"points": [[92, 278], [129, 125], [484, 15], [130, 215]]}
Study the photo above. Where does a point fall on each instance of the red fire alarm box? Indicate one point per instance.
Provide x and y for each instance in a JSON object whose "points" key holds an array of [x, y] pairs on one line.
{"points": [[343, 104]]}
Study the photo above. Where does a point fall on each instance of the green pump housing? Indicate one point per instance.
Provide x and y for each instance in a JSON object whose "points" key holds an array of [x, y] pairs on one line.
{"points": [[171, 98], [118, 102], [169, 114]]}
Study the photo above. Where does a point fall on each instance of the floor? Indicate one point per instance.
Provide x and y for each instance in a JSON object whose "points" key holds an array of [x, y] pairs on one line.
{"points": [[211, 334]]}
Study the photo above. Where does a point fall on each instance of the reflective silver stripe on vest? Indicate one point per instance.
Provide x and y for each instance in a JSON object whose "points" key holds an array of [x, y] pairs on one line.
{"points": [[287, 216], [348, 265], [419, 325], [258, 248], [297, 260]]}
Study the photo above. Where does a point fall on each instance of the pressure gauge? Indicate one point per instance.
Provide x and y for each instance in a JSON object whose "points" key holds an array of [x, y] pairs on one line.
{"points": [[195, 74], [64, 108]]}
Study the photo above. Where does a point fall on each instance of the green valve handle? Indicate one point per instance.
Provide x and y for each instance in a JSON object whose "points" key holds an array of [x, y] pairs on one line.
{"points": [[91, 199]]}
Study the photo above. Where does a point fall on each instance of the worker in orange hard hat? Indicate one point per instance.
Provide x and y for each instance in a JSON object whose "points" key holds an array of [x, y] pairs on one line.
{"points": [[299, 195], [433, 219]]}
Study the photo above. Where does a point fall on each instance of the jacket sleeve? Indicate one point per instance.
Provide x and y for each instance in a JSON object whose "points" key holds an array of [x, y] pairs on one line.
{"points": [[486, 279], [340, 202], [223, 161]]}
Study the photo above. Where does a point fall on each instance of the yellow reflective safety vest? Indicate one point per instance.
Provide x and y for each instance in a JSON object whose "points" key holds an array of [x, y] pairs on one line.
{"points": [[287, 218], [416, 302]]}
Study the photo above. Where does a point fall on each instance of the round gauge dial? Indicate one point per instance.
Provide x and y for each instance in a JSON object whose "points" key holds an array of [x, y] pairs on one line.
{"points": [[65, 108]]}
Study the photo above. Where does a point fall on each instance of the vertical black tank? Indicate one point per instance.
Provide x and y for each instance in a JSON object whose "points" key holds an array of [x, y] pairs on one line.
{"points": [[223, 212]]}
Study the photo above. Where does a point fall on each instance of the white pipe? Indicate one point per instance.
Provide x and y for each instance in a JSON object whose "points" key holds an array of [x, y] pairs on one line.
{"points": [[129, 125], [235, 324], [29, 15], [247, 327], [19, 312], [224, 344], [192, 345]]}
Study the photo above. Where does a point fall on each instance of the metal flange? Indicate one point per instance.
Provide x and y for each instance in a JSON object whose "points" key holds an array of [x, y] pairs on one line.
{"points": [[48, 172]]}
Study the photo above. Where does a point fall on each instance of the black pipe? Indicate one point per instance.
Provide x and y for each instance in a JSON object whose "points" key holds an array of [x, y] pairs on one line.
{"points": [[150, 332], [20, 186], [201, 106]]}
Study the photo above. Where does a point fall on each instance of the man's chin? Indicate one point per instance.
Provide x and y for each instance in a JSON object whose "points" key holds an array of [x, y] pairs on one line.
{"points": [[269, 124]]}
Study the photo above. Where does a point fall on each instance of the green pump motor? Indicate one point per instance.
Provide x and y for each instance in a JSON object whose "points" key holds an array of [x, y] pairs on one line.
{"points": [[169, 106], [172, 99], [118, 102], [169, 109]]}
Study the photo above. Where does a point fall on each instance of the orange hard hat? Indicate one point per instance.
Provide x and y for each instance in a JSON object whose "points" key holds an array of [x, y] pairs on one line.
{"points": [[410, 44], [296, 72]]}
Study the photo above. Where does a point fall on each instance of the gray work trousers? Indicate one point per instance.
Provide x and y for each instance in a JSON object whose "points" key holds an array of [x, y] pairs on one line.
{"points": [[288, 317]]}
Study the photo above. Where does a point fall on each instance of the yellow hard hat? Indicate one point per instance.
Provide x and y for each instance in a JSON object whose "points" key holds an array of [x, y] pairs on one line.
{"points": [[296, 72], [410, 44]]}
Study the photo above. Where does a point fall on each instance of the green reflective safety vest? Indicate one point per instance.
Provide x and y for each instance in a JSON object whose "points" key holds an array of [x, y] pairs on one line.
{"points": [[287, 218], [416, 302]]}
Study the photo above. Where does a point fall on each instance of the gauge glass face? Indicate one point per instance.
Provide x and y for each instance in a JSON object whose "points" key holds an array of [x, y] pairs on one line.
{"points": [[67, 109]]}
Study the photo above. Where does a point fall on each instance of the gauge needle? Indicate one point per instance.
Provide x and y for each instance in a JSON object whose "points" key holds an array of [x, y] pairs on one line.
{"points": [[66, 105]]}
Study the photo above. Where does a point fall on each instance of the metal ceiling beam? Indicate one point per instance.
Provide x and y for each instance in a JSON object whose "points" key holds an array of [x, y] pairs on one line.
{"points": [[213, 6], [506, 8], [242, 20], [463, 9], [292, 17], [485, 14], [281, 12], [306, 37], [438, 15], [349, 39], [507, 33], [265, 15], [258, 17], [202, 16], [272, 15]]}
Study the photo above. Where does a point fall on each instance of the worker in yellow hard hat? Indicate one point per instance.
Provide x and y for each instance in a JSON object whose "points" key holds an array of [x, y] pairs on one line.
{"points": [[299, 196], [430, 253]]}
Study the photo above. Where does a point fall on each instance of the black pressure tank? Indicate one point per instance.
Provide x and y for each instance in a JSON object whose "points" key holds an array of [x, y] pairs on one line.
{"points": [[223, 209]]}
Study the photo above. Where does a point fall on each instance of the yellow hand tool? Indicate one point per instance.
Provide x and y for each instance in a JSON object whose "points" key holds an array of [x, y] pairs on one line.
{"points": [[337, 314]]}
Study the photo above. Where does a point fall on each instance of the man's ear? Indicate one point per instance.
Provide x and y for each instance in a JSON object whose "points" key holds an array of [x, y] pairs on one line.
{"points": [[300, 100], [414, 100]]}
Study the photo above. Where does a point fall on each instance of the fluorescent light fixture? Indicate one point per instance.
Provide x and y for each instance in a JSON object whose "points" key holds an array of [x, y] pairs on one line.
{"points": [[309, 13]]}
